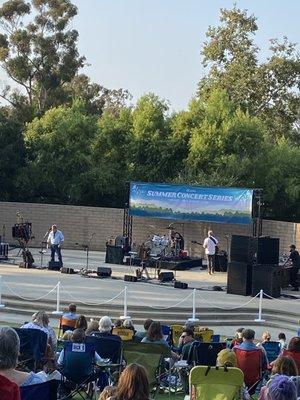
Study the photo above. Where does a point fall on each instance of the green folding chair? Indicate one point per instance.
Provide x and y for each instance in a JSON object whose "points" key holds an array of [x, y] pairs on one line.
{"points": [[216, 383]]}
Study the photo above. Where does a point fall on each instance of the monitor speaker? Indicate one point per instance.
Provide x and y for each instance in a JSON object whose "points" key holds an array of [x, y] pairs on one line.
{"points": [[166, 276], [130, 278], [239, 278], [66, 270], [268, 278], [104, 272], [180, 285]]}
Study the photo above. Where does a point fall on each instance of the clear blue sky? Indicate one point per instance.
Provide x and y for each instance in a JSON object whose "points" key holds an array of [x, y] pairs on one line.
{"points": [[154, 45]]}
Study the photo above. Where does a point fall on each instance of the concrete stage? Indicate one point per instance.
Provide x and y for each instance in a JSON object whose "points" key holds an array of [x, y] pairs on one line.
{"points": [[219, 310]]}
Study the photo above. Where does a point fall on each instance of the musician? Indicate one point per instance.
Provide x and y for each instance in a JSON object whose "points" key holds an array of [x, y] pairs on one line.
{"points": [[55, 239], [295, 259], [210, 245]]}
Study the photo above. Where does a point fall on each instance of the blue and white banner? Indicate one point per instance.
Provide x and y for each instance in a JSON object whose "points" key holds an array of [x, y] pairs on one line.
{"points": [[191, 203]]}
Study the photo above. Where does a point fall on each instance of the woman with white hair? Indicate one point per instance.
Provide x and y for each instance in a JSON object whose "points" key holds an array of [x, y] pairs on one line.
{"points": [[105, 329], [9, 350]]}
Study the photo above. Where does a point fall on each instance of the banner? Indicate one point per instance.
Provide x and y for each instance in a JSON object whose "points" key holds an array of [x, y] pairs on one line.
{"points": [[191, 203]]}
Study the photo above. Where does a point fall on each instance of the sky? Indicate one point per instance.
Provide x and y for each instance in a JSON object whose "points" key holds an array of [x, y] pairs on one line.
{"points": [[154, 45]]}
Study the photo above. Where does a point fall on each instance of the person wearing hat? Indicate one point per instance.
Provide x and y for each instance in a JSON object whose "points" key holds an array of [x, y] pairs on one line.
{"points": [[295, 260]]}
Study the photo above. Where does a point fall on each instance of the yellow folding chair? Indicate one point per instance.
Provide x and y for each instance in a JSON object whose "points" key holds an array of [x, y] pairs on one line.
{"points": [[216, 383], [124, 333], [176, 333], [203, 334]]}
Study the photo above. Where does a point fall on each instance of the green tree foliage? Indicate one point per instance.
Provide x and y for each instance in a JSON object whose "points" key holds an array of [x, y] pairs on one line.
{"points": [[11, 154], [269, 89], [59, 155], [38, 51]]}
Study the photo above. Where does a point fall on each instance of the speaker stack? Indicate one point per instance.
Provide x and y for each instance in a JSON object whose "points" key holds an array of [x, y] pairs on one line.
{"points": [[254, 266], [104, 272]]}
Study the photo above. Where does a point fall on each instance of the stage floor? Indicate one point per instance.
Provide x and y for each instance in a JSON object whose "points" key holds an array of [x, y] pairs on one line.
{"points": [[33, 283]]}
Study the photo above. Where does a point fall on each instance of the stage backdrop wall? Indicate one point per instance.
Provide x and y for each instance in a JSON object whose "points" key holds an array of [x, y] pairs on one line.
{"points": [[78, 223]]}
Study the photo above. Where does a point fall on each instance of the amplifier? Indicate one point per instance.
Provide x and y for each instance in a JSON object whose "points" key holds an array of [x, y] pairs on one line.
{"points": [[104, 272], [54, 265], [130, 278], [165, 276], [180, 285], [268, 278], [66, 270]]}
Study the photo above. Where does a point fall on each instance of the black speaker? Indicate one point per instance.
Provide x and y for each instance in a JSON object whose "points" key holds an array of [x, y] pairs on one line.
{"points": [[268, 251], [114, 255], [243, 249], [239, 278], [66, 270], [104, 272], [166, 276], [130, 278], [180, 285], [268, 278], [55, 265]]}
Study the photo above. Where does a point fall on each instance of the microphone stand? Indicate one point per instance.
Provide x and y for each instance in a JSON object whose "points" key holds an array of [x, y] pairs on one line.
{"points": [[86, 247], [42, 248]]}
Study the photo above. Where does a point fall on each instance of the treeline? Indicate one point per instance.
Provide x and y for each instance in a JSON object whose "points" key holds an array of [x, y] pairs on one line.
{"points": [[64, 139]]}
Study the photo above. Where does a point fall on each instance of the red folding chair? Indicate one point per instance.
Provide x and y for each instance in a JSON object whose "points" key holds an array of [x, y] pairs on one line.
{"points": [[295, 356], [250, 362]]}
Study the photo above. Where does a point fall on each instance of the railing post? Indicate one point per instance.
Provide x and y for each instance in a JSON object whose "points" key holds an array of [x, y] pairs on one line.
{"points": [[57, 311], [259, 319], [125, 316], [194, 319], [1, 305]]}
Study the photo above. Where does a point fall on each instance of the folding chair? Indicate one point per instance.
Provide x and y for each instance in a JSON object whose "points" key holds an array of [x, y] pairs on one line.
{"points": [[167, 332], [203, 334], [111, 349], [205, 353], [40, 391], [33, 345], [66, 324], [211, 383], [250, 362], [272, 349], [176, 333], [295, 356], [78, 369], [152, 357], [124, 333]]}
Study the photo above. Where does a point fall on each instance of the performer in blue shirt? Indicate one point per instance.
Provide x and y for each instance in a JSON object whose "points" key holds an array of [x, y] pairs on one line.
{"points": [[55, 238]]}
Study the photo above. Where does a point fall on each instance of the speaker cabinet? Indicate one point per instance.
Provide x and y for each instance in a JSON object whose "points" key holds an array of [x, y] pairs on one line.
{"points": [[130, 278], [239, 278], [66, 270], [180, 285], [268, 278], [243, 249], [114, 255], [104, 272], [268, 251], [55, 265], [166, 276]]}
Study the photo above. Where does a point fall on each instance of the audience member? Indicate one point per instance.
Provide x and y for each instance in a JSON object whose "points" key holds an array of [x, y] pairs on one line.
{"points": [[238, 338], [186, 340], [105, 329], [40, 320], [282, 341], [133, 384], [71, 313], [81, 323], [118, 323], [141, 334], [127, 324], [266, 337], [93, 325], [293, 350], [154, 334], [285, 366], [281, 388], [248, 345], [9, 350]]}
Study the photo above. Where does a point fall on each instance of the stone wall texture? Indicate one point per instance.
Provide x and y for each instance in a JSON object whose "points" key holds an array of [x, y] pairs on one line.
{"points": [[79, 223]]}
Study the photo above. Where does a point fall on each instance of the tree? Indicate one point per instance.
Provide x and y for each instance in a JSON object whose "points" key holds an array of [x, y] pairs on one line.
{"points": [[39, 56], [59, 155], [269, 89], [11, 154]]}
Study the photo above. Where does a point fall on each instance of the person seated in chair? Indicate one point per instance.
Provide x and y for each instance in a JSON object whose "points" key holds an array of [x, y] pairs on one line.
{"points": [[133, 384], [105, 329], [81, 323], [249, 345], [186, 340], [9, 351], [139, 335], [71, 313]]}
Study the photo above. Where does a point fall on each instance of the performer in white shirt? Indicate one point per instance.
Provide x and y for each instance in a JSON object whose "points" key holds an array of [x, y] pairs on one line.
{"points": [[55, 239], [210, 243]]}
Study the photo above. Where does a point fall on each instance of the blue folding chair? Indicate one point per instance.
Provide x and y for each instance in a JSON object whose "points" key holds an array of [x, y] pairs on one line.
{"points": [[272, 349], [167, 332], [40, 391], [33, 345], [78, 369]]}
